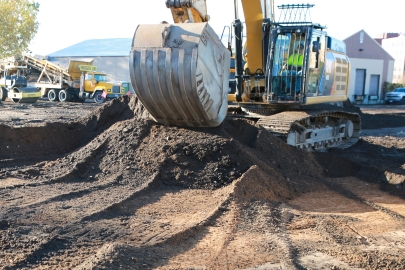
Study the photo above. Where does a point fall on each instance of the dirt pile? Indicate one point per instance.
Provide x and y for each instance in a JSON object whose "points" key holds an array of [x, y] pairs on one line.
{"points": [[119, 137], [38, 141], [115, 190]]}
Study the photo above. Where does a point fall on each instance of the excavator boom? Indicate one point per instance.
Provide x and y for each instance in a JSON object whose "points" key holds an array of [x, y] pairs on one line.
{"points": [[188, 10]]}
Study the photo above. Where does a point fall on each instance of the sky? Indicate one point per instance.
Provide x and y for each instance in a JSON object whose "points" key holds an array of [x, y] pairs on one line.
{"points": [[63, 23]]}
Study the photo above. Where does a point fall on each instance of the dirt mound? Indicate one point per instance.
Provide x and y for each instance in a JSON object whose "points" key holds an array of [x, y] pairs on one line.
{"points": [[36, 142], [120, 139], [120, 131], [191, 158]]}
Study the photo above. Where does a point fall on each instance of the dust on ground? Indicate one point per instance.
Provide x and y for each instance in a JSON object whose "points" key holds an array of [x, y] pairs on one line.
{"points": [[103, 187]]}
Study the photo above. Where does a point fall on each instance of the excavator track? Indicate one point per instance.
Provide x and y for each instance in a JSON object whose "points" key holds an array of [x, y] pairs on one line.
{"points": [[314, 129]]}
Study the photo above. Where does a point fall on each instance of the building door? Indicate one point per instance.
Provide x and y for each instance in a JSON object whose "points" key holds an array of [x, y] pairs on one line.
{"points": [[374, 85], [360, 82]]}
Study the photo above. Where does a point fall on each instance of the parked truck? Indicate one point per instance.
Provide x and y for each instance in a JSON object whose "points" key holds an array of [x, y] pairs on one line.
{"points": [[14, 84], [80, 81]]}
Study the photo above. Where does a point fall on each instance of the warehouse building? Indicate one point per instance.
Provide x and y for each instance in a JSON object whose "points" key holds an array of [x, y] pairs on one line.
{"points": [[109, 55], [371, 65]]}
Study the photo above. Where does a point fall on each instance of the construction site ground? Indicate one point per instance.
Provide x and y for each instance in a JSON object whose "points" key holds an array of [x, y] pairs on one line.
{"points": [[100, 186]]}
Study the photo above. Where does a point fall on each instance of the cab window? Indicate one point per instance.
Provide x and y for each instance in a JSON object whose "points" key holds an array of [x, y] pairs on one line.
{"points": [[100, 77]]}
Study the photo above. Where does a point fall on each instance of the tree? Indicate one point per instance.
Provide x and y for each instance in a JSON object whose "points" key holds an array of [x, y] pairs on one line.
{"points": [[18, 26], [388, 87]]}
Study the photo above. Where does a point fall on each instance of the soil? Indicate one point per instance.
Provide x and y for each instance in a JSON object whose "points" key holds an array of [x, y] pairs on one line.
{"points": [[90, 186]]}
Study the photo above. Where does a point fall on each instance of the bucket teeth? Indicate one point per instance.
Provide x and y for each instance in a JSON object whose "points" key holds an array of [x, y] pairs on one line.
{"points": [[180, 73]]}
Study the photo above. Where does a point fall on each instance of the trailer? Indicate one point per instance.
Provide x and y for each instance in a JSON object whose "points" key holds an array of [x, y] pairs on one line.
{"points": [[78, 82]]}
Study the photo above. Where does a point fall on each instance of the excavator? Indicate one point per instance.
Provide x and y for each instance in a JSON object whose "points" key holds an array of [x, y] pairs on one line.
{"points": [[181, 73]]}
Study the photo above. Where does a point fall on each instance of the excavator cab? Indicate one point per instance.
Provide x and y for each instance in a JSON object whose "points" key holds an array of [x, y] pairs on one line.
{"points": [[289, 59], [296, 64], [322, 74]]}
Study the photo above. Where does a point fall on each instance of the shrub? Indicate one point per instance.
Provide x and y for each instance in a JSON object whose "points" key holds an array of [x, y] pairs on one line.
{"points": [[388, 87]]}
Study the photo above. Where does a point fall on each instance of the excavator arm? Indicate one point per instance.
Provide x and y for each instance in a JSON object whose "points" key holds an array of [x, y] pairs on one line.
{"points": [[188, 10], [254, 16], [196, 11]]}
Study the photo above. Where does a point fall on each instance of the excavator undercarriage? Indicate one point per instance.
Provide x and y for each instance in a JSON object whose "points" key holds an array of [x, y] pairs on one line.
{"points": [[315, 129]]}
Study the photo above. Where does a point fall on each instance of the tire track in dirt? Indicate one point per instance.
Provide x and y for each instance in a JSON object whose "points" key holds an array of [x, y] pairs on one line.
{"points": [[51, 218], [115, 223], [356, 196], [356, 241]]}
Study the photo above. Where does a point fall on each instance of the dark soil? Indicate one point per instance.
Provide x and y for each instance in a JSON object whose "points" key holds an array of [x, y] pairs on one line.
{"points": [[114, 190]]}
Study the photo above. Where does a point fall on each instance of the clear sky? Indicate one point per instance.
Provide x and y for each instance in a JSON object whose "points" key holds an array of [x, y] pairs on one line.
{"points": [[67, 22]]}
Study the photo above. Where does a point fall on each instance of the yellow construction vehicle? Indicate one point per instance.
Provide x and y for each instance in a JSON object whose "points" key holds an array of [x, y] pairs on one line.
{"points": [[14, 84], [78, 82], [180, 72]]}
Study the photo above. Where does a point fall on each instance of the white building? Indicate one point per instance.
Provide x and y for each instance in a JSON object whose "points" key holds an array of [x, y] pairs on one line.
{"points": [[395, 46], [109, 55], [370, 67]]}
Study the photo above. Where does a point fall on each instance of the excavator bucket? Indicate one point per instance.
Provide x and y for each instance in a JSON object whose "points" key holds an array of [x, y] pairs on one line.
{"points": [[180, 73]]}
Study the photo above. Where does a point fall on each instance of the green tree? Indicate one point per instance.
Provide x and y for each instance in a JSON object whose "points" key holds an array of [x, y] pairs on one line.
{"points": [[388, 87], [18, 26]]}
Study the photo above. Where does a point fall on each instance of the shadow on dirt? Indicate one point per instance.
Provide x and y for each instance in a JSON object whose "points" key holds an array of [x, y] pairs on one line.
{"points": [[365, 161], [373, 121]]}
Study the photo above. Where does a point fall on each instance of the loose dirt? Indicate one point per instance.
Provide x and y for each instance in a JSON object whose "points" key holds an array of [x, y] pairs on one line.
{"points": [[89, 186]]}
